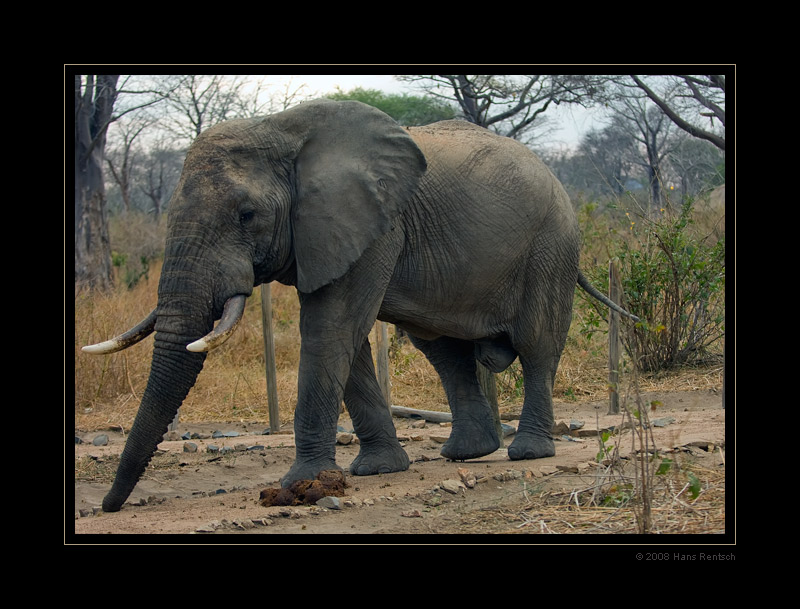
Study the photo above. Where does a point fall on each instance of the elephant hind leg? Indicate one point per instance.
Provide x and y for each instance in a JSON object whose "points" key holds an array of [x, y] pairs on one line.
{"points": [[534, 439], [380, 452], [473, 434]]}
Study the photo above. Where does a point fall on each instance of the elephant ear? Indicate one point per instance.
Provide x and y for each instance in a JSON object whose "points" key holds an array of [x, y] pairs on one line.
{"points": [[355, 173]]}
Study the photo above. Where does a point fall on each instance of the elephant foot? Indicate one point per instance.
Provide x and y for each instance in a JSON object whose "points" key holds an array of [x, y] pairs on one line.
{"points": [[470, 442], [382, 458], [307, 470], [531, 446]]}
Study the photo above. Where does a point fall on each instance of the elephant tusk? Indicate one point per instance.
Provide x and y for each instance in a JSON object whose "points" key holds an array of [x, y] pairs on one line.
{"points": [[143, 329], [231, 316]]}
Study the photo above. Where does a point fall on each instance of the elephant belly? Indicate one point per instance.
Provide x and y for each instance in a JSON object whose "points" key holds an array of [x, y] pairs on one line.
{"points": [[432, 313]]}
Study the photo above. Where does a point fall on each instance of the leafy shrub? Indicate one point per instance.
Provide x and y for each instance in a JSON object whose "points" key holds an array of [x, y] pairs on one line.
{"points": [[674, 280]]}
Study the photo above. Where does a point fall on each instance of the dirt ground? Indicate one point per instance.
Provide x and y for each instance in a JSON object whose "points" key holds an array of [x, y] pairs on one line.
{"points": [[217, 493]]}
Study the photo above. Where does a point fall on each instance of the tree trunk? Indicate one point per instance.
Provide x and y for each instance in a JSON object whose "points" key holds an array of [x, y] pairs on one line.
{"points": [[93, 110]]}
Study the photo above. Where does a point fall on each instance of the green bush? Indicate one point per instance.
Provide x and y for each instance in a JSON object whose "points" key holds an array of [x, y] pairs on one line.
{"points": [[674, 280]]}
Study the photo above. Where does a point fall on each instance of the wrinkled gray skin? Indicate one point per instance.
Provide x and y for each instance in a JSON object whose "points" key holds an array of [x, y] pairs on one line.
{"points": [[461, 238]]}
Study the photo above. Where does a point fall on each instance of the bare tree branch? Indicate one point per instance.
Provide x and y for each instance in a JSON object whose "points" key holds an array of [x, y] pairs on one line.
{"points": [[693, 130]]}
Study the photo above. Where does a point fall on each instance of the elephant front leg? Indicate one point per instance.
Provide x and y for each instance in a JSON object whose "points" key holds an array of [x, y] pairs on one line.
{"points": [[316, 416], [474, 433], [380, 452]]}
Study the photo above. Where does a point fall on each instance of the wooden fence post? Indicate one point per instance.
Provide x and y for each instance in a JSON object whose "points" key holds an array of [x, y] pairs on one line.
{"points": [[614, 291], [269, 358]]}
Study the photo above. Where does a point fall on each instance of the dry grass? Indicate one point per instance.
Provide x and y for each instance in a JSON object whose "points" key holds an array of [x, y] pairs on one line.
{"points": [[232, 386], [592, 506]]}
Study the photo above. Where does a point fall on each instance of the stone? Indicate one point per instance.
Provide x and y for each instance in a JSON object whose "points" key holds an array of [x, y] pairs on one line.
{"points": [[100, 440], [189, 447], [560, 428], [344, 438], [453, 486], [508, 430], [467, 477], [663, 422], [330, 503]]}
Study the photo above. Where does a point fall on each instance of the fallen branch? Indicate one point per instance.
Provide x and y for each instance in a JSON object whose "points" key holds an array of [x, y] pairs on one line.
{"points": [[429, 415]]}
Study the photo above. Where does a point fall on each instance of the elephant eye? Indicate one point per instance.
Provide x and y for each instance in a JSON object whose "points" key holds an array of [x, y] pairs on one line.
{"points": [[246, 216]]}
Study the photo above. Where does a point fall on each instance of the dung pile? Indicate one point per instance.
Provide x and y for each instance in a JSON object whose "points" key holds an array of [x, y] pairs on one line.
{"points": [[306, 492]]}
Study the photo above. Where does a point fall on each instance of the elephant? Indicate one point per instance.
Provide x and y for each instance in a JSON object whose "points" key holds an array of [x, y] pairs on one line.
{"points": [[460, 237]]}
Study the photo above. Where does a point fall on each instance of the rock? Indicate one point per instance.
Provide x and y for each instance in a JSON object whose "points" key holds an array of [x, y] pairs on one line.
{"points": [[243, 524], [100, 440], [453, 486], [509, 474], [418, 424], [189, 447], [172, 436], [663, 422], [560, 428], [330, 503], [508, 430], [574, 424], [440, 439], [344, 438], [467, 477]]}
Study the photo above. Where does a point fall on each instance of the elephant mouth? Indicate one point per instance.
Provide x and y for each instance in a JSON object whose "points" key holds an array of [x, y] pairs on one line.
{"points": [[231, 316]]}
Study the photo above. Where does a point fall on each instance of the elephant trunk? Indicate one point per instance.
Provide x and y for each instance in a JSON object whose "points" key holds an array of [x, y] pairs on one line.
{"points": [[182, 317], [172, 375]]}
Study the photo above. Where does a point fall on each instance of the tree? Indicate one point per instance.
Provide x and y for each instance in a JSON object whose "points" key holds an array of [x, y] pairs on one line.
{"points": [[94, 106], [120, 159], [697, 165], [200, 101], [511, 105], [162, 168], [197, 102], [698, 99], [652, 131], [95, 99], [408, 110], [610, 153]]}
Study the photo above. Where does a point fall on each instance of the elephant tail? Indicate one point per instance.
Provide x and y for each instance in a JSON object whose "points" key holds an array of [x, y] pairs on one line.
{"points": [[593, 292]]}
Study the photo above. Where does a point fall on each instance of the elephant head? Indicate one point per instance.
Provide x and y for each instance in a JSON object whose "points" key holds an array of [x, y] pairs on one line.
{"points": [[294, 197]]}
